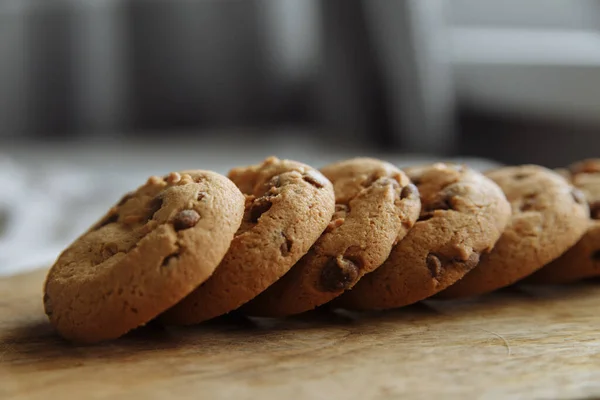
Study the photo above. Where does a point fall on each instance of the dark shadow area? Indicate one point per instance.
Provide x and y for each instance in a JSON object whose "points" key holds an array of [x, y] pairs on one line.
{"points": [[529, 296], [34, 341]]}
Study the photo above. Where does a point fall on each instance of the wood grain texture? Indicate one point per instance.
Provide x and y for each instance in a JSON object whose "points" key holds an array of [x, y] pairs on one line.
{"points": [[519, 343]]}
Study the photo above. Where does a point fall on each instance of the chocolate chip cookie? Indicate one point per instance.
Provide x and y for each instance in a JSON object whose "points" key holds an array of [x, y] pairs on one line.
{"points": [[148, 252], [376, 205], [548, 217], [463, 214], [582, 260], [288, 206]]}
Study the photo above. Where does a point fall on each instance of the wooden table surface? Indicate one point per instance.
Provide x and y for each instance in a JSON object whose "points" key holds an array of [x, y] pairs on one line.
{"points": [[519, 343]]}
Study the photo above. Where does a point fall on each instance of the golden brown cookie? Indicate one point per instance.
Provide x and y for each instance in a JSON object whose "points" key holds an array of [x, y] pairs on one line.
{"points": [[288, 206], [548, 217], [463, 214], [376, 205], [151, 250], [582, 260]]}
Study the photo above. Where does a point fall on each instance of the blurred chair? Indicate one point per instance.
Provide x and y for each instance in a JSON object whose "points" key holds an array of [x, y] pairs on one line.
{"points": [[366, 70]]}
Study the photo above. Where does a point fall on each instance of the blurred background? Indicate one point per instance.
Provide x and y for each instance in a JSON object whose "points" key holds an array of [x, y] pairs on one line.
{"points": [[96, 95]]}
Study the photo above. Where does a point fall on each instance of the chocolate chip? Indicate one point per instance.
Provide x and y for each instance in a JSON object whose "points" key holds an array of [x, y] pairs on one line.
{"points": [[259, 207], [201, 196], [125, 198], [470, 262], [185, 219], [286, 246], [315, 179], [529, 202], [409, 191], [274, 182], [578, 196], [595, 210], [339, 274], [519, 176], [434, 265]]}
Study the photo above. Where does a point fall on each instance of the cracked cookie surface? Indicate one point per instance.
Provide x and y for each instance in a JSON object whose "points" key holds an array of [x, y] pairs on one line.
{"points": [[151, 249], [288, 205], [376, 205], [463, 214], [583, 259], [548, 217]]}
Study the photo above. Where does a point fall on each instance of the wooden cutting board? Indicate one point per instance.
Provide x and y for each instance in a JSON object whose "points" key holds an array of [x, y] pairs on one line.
{"points": [[518, 343]]}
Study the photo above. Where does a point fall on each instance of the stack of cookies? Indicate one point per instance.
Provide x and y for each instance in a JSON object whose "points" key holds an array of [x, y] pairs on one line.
{"points": [[281, 238]]}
